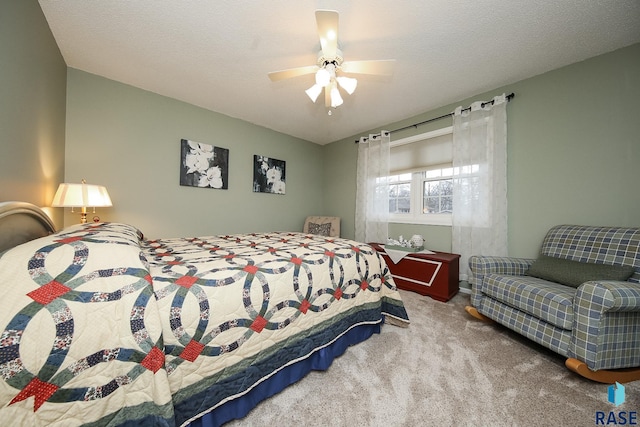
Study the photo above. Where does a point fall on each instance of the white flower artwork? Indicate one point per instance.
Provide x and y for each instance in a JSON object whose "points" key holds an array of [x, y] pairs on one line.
{"points": [[203, 165], [268, 175]]}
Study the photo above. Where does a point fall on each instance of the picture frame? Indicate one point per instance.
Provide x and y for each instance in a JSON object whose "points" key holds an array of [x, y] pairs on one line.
{"points": [[269, 175], [203, 165]]}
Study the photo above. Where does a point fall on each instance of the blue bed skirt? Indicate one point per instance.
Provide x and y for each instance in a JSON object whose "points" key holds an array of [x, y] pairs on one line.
{"points": [[319, 360]]}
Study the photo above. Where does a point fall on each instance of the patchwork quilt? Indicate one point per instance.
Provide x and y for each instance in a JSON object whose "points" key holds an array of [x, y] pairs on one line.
{"points": [[102, 327]]}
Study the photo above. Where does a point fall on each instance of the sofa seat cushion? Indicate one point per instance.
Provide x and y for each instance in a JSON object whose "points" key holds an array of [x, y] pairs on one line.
{"points": [[548, 301]]}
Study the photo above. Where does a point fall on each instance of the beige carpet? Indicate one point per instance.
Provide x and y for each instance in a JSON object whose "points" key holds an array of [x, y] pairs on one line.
{"points": [[446, 369]]}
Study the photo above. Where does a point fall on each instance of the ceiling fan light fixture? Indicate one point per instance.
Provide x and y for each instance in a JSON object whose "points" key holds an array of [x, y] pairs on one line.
{"points": [[314, 91], [347, 83], [323, 77]]}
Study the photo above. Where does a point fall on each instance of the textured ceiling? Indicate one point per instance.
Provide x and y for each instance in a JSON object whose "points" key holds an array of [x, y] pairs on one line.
{"points": [[216, 54]]}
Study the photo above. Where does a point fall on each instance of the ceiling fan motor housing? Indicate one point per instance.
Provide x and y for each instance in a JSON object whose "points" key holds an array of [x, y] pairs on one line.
{"points": [[324, 60]]}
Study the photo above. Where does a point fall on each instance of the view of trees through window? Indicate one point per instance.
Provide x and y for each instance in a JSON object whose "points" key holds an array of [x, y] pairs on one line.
{"points": [[435, 188], [437, 191], [400, 193]]}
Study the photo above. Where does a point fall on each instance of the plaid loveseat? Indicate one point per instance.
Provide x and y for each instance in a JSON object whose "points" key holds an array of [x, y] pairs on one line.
{"points": [[596, 322]]}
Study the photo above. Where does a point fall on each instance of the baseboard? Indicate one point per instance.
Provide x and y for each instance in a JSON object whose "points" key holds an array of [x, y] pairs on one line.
{"points": [[465, 287]]}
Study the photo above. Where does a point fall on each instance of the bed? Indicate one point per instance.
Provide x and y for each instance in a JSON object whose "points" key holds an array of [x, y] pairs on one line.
{"points": [[101, 326]]}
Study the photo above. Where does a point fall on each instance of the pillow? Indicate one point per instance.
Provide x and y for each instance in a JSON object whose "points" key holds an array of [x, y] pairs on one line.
{"points": [[320, 229], [574, 273]]}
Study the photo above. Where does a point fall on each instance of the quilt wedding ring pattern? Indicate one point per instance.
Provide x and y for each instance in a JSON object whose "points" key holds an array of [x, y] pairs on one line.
{"points": [[195, 267], [162, 303], [55, 296]]}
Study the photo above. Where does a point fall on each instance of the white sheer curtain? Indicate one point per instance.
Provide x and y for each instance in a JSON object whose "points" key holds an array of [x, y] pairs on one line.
{"points": [[372, 191], [480, 181]]}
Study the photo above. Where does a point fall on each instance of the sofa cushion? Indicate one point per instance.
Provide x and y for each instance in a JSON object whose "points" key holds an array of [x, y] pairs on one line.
{"points": [[545, 300], [574, 273], [557, 339]]}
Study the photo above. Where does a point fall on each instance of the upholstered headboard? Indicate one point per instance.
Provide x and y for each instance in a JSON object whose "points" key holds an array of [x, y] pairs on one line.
{"points": [[323, 220], [21, 222]]}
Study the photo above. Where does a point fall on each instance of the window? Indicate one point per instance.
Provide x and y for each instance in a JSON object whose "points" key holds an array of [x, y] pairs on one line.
{"points": [[422, 197], [400, 193], [421, 181], [437, 191]]}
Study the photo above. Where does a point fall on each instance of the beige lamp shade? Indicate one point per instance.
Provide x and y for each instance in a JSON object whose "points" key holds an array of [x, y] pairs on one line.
{"points": [[81, 196]]}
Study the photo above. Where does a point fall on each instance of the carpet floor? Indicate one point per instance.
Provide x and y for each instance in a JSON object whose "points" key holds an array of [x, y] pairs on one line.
{"points": [[445, 369]]}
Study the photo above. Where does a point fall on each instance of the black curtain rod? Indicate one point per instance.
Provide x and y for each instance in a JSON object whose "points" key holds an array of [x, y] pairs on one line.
{"points": [[415, 125]]}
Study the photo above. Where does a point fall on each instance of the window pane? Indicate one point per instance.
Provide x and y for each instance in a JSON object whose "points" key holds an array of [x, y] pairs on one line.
{"points": [[446, 205], [400, 198], [428, 189], [437, 196], [404, 205], [431, 205], [400, 205], [446, 187], [404, 190]]}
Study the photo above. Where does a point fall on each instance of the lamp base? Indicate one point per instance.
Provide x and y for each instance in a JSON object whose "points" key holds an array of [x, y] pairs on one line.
{"points": [[83, 215]]}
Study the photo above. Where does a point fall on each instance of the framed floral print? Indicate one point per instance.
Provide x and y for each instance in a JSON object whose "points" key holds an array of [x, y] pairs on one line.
{"points": [[203, 165], [269, 175]]}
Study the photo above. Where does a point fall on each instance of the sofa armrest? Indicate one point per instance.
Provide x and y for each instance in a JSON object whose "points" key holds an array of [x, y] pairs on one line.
{"points": [[481, 265], [606, 323], [608, 295]]}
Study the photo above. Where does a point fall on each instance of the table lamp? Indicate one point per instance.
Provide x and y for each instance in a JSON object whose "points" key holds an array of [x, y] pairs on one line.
{"points": [[81, 196]]}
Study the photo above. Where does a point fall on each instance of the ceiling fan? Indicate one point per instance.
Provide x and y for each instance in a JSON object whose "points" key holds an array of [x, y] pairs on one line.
{"points": [[331, 65]]}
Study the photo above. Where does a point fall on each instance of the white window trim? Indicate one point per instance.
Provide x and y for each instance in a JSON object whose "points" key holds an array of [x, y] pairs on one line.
{"points": [[416, 194], [430, 219]]}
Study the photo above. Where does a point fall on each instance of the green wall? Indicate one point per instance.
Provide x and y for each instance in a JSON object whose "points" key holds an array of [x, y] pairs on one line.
{"points": [[128, 140], [573, 152], [32, 107]]}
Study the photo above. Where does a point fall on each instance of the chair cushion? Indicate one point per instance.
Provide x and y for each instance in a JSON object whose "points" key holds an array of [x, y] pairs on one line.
{"points": [[545, 300], [574, 273]]}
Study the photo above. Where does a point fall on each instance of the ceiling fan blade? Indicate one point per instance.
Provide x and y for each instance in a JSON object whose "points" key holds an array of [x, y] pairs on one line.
{"points": [[327, 21], [292, 72], [383, 67]]}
